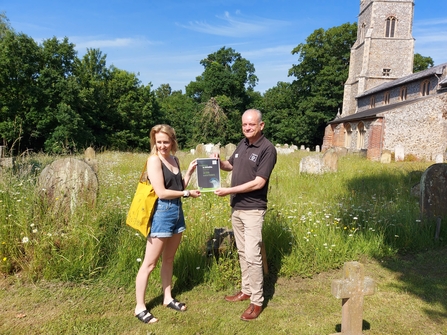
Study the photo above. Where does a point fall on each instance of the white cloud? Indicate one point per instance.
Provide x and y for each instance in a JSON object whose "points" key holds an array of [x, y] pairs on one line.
{"points": [[235, 27], [89, 42]]}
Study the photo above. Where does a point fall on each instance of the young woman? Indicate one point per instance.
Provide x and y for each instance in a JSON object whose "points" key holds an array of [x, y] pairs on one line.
{"points": [[168, 223]]}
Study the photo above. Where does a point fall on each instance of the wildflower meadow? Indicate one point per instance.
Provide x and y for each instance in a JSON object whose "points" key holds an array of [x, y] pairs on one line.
{"points": [[314, 223]]}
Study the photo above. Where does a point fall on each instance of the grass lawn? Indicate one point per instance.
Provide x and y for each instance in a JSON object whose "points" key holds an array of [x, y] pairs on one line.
{"points": [[411, 298]]}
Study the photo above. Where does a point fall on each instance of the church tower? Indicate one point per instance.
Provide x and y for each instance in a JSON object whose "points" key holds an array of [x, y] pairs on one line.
{"points": [[384, 49]]}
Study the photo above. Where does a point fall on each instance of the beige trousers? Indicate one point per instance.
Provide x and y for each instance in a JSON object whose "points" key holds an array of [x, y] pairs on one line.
{"points": [[247, 228]]}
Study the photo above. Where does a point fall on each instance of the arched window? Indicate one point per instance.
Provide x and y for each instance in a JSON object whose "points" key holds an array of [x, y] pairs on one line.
{"points": [[361, 135], [425, 88], [348, 135], [372, 102], [390, 26], [403, 93]]}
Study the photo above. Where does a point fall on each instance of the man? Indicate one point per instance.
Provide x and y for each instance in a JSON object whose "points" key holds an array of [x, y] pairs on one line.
{"points": [[251, 164]]}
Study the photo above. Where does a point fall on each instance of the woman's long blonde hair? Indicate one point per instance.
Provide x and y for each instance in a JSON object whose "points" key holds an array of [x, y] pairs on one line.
{"points": [[168, 130]]}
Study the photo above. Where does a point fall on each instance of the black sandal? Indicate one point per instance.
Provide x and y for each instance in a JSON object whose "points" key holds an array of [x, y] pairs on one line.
{"points": [[145, 316], [176, 305]]}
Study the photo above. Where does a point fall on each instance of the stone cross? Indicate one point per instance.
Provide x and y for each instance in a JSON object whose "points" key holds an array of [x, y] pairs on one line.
{"points": [[351, 289]]}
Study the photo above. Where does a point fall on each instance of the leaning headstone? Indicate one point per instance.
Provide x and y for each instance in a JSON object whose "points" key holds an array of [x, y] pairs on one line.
{"points": [[330, 160], [200, 150], [229, 149], [433, 201], [67, 183], [351, 289], [399, 153], [90, 158], [385, 158]]}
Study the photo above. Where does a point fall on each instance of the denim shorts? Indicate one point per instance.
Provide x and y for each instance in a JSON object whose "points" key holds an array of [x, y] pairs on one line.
{"points": [[168, 218]]}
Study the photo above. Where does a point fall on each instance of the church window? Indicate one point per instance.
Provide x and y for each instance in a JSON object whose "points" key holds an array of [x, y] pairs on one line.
{"points": [[386, 72], [390, 26], [386, 98], [372, 102], [348, 135], [361, 135], [425, 88], [403, 93]]}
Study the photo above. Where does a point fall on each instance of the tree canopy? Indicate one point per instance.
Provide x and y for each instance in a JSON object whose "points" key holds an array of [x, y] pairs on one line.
{"points": [[54, 101]]}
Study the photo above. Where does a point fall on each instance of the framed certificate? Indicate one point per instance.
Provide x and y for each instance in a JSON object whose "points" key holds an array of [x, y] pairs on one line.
{"points": [[208, 174]]}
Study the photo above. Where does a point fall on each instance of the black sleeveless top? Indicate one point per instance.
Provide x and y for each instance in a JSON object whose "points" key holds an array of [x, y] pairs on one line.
{"points": [[172, 181]]}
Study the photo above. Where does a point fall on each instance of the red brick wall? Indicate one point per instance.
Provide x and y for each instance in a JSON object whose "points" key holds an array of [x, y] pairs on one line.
{"points": [[375, 143]]}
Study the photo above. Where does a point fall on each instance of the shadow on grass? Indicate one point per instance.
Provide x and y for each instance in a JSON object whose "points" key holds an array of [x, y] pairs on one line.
{"points": [[276, 241], [421, 260]]}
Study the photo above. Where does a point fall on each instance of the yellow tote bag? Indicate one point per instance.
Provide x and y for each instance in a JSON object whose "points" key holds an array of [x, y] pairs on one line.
{"points": [[142, 206]]}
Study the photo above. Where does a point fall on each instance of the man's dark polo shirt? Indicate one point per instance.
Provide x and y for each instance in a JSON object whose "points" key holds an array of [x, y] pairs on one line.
{"points": [[250, 161]]}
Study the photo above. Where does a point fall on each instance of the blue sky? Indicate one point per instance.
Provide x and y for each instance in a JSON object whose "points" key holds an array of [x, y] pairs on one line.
{"points": [[163, 41]]}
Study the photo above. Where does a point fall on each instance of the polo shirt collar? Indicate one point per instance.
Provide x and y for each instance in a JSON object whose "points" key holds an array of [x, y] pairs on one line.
{"points": [[257, 143]]}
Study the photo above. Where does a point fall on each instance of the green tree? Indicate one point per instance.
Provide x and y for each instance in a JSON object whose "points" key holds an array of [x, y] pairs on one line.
{"points": [[421, 63], [179, 111], [59, 121], [228, 78], [132, 110], [320, 76], [19, 71], [4, 24]]}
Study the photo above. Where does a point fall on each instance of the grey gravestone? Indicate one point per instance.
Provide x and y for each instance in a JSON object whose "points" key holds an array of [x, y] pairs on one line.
{"points": [[330, 161], [433, 201], [67, 183], [200, 150], [90, 158], [312, 164], [351, 289], [229, 149]]}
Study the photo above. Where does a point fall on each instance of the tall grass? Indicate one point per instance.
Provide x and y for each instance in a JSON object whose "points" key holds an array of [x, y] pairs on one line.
{"points": [[314, 223]]}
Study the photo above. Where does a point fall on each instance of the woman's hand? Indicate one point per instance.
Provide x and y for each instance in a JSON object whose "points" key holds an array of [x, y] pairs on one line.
{"points": [[194, 193], [192, 166]]}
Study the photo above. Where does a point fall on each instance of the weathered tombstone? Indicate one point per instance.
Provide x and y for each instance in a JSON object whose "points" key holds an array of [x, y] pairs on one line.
{"points": [[302, 148], [433, 202], [351, 289], [215, 149], [399, 153], [209, 148], [229, 149], [439, 158], [68, 182], [330, 160], [312, 164], [200, 150], [90, 158], [385, 158], [317, 148]]}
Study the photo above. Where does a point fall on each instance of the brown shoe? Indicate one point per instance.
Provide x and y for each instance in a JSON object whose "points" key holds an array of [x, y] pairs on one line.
{"points": [[240, 296], [252, 312]]}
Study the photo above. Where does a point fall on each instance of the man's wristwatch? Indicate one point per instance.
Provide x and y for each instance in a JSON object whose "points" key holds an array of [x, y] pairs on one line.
{"points": [[185, 194]]}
